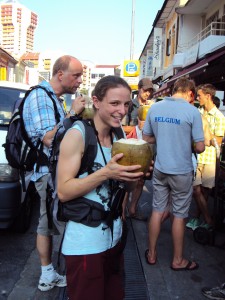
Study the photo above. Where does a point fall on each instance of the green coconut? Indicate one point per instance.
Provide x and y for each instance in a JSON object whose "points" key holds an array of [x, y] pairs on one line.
{"points": [[142, 112], [88, 112], [135, 152]]}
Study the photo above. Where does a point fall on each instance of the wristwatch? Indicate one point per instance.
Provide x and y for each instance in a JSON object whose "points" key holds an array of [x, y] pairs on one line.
{"points": [[72, 112]]}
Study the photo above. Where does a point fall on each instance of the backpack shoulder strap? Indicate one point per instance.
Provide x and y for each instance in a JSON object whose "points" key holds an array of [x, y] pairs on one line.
{"points": [[50, 95], [131, 106], [130, 109], [19, 112], [119, 133], [57, 118], [90, 149]]}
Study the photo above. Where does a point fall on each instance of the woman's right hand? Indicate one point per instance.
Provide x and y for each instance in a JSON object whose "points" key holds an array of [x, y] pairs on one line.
{"points": [[122, 173]]}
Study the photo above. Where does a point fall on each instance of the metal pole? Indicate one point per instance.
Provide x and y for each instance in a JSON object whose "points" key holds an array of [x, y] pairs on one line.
{"points": [[132, 31]]}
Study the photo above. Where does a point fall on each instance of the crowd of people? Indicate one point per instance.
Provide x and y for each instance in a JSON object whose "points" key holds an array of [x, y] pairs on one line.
{"points": [[93, 252]]}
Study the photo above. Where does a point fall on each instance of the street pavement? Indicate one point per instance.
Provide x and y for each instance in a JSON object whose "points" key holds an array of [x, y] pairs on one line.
{"points": [[160, 281], [26, 286]]}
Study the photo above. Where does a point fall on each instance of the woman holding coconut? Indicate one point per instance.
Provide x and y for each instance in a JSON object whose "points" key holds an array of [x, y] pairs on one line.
{"points": [[94, 255]]}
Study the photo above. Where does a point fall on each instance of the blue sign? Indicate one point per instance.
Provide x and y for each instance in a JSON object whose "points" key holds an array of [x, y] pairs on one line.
{"points": [[131, 68]]}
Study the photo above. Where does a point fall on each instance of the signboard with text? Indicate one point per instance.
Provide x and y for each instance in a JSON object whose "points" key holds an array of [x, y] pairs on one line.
{"points": [[143, 66], [133, 82], [149, 63], [131, 68], [157, 48]]}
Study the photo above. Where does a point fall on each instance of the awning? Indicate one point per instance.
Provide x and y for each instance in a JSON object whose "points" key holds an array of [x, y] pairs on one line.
{"points": [[197, 67], [201, 65], [165, 88]]}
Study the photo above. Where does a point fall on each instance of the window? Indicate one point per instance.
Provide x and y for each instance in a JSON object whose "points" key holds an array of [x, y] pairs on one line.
{"points": [[212, 18], [168, 44], [173, 40], [10, 99]]}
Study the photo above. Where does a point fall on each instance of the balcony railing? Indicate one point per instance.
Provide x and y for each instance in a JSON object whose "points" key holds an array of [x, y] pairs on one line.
{"points": [[214, 28]]}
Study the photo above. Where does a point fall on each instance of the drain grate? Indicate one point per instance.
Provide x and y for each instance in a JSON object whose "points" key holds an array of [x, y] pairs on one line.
{"points": [[135, 284]]}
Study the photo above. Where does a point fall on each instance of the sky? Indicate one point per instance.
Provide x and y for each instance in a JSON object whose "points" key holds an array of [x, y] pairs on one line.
{"points": [[93, 30]]}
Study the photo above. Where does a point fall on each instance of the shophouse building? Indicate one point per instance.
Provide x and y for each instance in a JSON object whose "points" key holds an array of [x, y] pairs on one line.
{"points": [[7, 65], [187, 39]]}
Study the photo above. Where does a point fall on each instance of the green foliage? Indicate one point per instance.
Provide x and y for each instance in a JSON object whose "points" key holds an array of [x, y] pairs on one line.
{"points": [[84, 91]]}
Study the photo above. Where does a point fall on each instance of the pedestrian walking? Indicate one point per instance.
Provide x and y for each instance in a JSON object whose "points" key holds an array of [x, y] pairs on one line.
{"points": [[175, 127], [40, 124]]}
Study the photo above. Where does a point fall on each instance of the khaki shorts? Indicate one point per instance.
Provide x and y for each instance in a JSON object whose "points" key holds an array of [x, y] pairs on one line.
{"points": [[41, 186], [172, 192], [205, 175]]}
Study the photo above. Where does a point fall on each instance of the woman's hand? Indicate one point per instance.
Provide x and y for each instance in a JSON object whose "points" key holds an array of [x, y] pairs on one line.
{"points": [[122, 173]]}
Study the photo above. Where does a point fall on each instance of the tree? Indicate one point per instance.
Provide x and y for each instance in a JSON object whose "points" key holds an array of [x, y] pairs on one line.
{"points": [[84, 91]]}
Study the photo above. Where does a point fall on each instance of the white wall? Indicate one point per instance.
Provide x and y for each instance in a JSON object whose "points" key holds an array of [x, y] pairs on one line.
{"points": [[211, 44], [190, 26]]}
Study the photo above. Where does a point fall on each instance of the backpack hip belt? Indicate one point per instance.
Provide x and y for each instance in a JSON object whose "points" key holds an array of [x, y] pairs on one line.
{"points": [[85, 211]]}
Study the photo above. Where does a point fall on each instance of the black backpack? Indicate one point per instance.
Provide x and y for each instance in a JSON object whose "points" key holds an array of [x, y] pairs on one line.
{"points": [[57, 210], [20, 151]]}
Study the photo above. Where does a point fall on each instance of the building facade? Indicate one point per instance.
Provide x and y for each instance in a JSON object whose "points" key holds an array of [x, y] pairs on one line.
{"points": [[7, 65], [99, 71], [17, 27], [190, 39]]}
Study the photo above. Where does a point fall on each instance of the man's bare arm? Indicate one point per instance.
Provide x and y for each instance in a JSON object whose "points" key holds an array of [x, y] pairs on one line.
{"points": [[47, 140], [149, 139], [199, 147]]}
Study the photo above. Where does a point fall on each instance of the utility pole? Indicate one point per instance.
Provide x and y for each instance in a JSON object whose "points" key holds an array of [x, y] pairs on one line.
{"points": [[132, 31]]}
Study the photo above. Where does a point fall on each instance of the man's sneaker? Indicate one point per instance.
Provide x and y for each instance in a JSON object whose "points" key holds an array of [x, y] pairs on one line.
{"points": [[193, 223], [59, 281], [215, 293]]}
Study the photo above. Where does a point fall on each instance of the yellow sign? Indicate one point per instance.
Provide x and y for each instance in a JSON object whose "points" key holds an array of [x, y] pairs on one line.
{"points": [[2, 73], [131, 68], [133, 82]]}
